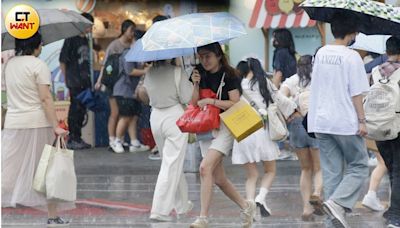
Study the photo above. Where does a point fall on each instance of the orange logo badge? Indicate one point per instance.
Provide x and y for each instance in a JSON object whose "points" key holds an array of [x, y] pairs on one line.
{"points": [[22, 21]]}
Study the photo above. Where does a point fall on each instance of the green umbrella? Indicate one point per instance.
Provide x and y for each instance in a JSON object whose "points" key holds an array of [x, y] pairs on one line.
{"points": [[374, 17]]}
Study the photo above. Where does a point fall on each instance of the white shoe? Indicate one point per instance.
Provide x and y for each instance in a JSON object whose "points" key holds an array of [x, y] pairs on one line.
{"points": [[138, 148], [372, 203], [188, 209], [248, 214], [117, 147], [264, 210], [201, 222], [336, 213], [161, 218]]}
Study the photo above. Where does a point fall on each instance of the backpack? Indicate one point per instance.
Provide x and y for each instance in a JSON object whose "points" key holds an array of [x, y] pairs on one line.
{"points": [[112, 71], [382, 107]]}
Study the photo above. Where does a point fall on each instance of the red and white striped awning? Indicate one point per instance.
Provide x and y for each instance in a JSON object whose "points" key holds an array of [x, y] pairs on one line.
{"points": [[261, 19]]}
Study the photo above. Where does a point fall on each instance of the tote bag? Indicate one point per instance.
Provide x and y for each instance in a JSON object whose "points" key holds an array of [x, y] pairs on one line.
{"points": [[61, 180]]}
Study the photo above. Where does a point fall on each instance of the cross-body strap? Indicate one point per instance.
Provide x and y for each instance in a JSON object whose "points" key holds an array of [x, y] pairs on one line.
{"points": [[251, 102], [221, 84]]}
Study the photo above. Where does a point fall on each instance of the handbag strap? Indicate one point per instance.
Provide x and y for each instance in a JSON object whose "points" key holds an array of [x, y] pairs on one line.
{"points": [[251, 102], [221, 84]]}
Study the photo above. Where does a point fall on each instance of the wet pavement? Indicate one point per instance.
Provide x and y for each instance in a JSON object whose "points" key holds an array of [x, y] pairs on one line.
{"points": [[115, 190]]}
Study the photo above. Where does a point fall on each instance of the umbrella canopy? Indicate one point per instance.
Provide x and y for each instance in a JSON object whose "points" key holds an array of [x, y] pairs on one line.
{"points": [[54, 25], [192, 30], [375, 17], [137, 54], [372, 43]]}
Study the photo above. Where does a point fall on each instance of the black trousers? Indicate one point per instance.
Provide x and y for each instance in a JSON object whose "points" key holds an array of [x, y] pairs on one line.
{"points": [[390, 151], [76, 115]]}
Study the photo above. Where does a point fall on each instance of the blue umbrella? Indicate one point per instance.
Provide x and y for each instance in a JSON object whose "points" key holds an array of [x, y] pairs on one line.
{"points": [[137, 54]]}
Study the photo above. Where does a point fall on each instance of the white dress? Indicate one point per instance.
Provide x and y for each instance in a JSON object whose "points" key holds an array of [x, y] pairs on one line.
{"points": [[258, 146]]}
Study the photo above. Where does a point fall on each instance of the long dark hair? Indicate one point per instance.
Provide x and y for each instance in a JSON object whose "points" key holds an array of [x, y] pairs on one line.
{"points": [[284, 39], [304, 69], [217, 50], [259, 76], [28, 46]]}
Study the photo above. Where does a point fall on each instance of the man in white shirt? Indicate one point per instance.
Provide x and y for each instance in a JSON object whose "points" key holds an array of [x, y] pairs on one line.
{"points": [[337, 117]]}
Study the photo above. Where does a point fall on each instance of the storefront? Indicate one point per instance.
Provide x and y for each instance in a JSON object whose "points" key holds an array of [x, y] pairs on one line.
{"points": [[267, 15]]}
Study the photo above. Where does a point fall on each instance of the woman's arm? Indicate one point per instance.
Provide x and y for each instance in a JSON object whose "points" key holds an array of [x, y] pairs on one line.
{"points": [[47, 101], [277, 78], [234, 97]]}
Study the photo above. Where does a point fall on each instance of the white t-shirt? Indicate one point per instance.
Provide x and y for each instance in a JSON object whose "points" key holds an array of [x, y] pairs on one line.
{"points": [[23, 76], [294, 86], [338, 75]]}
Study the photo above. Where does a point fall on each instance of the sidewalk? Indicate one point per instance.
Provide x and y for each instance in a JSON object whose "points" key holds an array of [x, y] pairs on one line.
{"points": [[115, 190]]}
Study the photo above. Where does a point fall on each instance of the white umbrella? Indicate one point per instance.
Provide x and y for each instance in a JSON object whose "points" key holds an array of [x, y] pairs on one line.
{"points": [[54, 25], [372, 43]]}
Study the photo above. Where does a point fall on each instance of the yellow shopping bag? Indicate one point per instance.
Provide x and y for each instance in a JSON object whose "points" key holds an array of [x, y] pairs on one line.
{"points": [[241, 120]]}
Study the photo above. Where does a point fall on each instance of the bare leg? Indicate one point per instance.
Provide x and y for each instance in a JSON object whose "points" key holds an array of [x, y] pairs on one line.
{"points": [[227, 187], [305, 179], [132, 128], [52, 210], [113, 119], [123, 123], [269, 174], [318, 183], [377, 174], [211, 167], [251, 182]]}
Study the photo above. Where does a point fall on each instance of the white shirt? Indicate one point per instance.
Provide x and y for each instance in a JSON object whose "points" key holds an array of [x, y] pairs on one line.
{"points": [[161, 87], [294, 86], [23, 76], [338, 75]]}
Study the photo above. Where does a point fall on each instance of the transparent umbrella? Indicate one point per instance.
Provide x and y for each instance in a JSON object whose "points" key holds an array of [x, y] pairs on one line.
{"points": [[54, 25], [192, 30]]}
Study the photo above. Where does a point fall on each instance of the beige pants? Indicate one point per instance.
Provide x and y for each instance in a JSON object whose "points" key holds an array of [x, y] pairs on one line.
{"points": [[171, 190]]}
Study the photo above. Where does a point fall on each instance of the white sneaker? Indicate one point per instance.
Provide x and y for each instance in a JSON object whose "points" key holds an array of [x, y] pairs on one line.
{"points": [[201, 222], [161, 218], [248, 214], [138, 148], [372, 203], [117, 147], [264, 210], [188, 209], [336, 213]]}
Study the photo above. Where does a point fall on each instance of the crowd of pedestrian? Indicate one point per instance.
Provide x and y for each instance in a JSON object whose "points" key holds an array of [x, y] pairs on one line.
{"points": [[327, 127]]}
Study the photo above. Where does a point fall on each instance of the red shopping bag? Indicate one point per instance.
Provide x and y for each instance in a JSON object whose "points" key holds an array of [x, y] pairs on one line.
{"points": [[199, 120]]}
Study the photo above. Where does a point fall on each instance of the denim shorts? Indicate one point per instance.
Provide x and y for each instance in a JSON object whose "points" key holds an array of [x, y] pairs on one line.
{"points": [[298, 137]]}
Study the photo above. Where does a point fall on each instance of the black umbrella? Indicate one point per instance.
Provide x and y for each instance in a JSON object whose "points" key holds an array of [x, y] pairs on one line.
{"points": [[374, 17]]}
